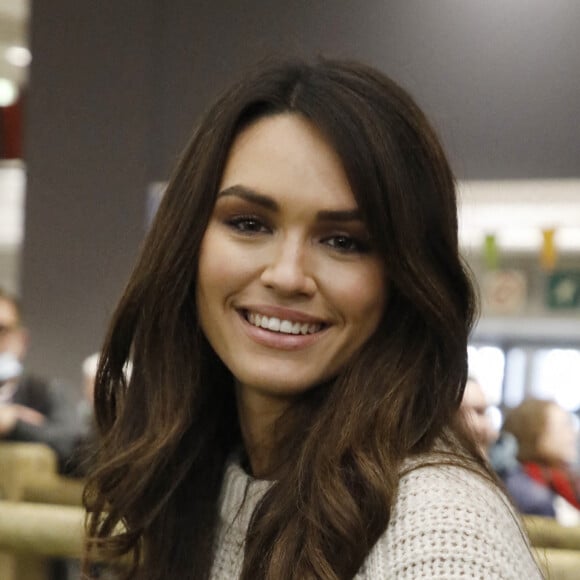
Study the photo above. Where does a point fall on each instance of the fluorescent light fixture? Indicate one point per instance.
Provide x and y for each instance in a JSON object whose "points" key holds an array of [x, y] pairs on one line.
{"points": [[516, 212], [8, 92], [18, 56], [12, 193]]}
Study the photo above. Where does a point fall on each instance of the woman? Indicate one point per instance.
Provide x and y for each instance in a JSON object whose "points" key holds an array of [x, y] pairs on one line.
{"points": [[474, 407], [544, 482], [297, 324]]}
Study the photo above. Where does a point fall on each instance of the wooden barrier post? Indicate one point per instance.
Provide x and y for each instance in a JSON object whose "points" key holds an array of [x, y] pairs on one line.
{"points": [[22, 465]]}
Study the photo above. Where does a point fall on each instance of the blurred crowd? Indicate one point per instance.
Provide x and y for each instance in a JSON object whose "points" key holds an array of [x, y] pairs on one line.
{"points": [[535, 454], [36, 409]]}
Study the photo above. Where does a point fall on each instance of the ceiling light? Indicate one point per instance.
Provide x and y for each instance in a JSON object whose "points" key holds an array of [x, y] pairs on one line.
{"points": [[517, 212], [18, 56], [8, 93]]}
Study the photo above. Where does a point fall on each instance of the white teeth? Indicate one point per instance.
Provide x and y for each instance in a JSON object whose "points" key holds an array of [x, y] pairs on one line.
{"points": [[284, 326]]}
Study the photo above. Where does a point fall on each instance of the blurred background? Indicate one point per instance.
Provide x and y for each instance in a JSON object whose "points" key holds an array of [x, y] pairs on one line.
{"points": [[98, 98]]}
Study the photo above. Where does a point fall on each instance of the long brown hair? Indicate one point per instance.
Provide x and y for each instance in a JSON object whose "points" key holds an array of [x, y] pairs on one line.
{"points": [[166, 435]]}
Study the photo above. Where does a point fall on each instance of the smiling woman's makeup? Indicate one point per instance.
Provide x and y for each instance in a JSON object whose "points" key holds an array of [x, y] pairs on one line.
{"points": [[289, 287]]}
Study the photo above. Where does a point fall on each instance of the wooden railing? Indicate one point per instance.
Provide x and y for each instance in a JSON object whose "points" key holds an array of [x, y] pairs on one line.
{"points": [[41, 517], [557, 547], [41, 529], [30, 533], [548, 533]]}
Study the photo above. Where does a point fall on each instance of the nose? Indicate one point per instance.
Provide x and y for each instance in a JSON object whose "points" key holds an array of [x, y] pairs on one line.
{"points": [[288, 271]]}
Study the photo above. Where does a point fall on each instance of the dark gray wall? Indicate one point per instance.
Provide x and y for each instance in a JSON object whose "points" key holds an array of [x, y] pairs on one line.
{"points": [[117, 86], [500, 78], [87, 151]]}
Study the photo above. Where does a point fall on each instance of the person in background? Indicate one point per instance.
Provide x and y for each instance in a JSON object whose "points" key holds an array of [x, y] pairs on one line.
{"points": [[77, 466], [474, 406], [298, 323], [31, 409], [86, 405], [544, 482], [576, 418]]}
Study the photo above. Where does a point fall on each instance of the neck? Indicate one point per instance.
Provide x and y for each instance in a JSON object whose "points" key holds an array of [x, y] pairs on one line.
{"points": [[258, 415]]}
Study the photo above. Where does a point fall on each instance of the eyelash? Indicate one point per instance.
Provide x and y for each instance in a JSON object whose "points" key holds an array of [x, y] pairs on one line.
{"points": [[240, 224], [252, 225], [355, 245]]}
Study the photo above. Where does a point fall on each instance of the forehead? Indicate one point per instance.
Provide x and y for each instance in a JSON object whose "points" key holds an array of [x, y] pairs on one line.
{"points": [[286, 155], [8, 312]]}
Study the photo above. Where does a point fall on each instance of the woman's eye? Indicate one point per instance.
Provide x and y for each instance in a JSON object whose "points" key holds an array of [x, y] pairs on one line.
{"points": [[347, 244], [247, 224]]}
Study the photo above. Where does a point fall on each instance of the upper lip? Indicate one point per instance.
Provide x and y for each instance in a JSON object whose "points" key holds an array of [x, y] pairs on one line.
{"points": [[282, 313]]}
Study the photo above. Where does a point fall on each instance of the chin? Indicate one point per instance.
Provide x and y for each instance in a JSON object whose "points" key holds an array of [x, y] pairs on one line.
{"points": [[280, 387], [280, 382]]}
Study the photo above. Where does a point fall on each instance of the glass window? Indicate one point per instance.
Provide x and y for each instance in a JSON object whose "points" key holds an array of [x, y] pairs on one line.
{"points": [[486, 365], [556, 375], [515, 377]]}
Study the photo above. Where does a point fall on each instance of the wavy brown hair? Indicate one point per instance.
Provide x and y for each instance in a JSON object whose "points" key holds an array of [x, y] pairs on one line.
{"points": [[167, 433]]}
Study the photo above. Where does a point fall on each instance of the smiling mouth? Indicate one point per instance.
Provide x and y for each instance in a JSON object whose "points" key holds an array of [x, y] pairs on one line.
{"points": [[280, 325]]}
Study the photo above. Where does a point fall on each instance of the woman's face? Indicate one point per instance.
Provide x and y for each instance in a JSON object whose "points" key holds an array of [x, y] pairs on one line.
{"points": [[289, 287], [474, 405], [558, 441]]}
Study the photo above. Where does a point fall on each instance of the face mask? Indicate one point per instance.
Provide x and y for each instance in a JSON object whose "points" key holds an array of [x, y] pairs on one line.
{"points": [[10, 367]]}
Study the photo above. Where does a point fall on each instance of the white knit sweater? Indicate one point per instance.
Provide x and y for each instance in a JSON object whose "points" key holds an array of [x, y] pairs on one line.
{"points": [[446, 523]]}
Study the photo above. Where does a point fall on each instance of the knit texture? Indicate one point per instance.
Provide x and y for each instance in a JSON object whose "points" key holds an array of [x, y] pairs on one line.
{"points": [[447, 522]]}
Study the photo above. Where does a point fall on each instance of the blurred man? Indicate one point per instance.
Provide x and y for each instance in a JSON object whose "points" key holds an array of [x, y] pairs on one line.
{"points": [[31, 409], [474, 405]]}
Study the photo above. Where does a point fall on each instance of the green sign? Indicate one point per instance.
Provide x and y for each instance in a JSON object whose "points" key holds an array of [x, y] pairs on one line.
{"points": [[564, 289]]}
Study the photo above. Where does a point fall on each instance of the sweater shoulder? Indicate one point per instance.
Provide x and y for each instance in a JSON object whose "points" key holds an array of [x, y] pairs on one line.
{"points": [[449, 522]]}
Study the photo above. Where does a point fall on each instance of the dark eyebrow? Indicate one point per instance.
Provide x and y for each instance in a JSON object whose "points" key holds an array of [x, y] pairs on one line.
{"points": [[252, 196], [348, 215]]}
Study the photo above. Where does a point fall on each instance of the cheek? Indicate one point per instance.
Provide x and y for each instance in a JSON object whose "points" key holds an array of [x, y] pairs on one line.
{"points": [[14, 344], [213, 275], [215, 264], [210, 273], [483, 423], [359, 299], [363, 295], [223, 265]]}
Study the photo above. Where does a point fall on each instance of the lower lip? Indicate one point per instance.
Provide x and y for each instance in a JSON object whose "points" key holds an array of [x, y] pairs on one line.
{"points": [[280, 340]]}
